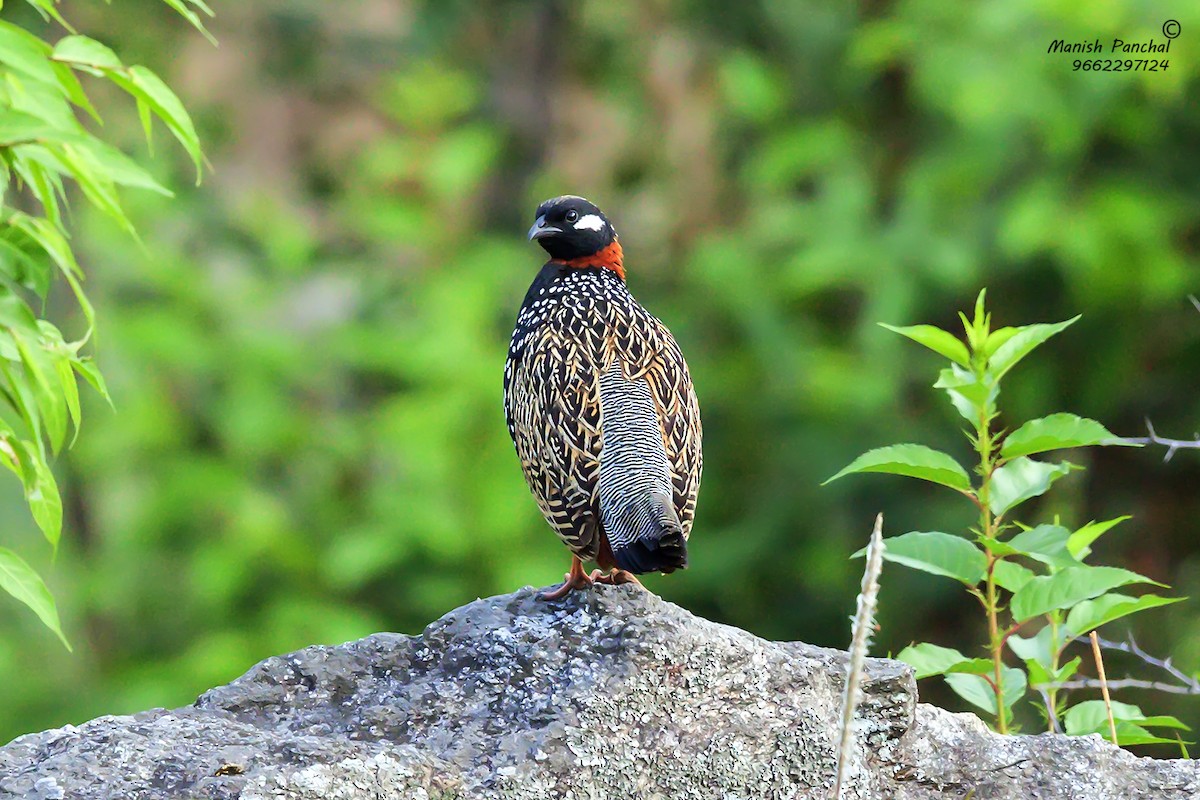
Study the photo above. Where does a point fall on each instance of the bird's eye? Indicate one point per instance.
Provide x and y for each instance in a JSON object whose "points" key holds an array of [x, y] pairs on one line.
{"points": [[572, 215]]}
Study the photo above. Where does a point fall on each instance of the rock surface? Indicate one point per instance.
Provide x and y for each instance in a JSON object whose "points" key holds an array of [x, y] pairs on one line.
{"points": [[609, 693]]}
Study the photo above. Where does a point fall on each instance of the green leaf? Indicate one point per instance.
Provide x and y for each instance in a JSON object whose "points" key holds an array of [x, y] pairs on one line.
{"points": [[48, 11], [48, 101], [937, 340], [931, 659], [14, 313], [1163, 721], [70, 390], [1020, 344], [86, 52], [41, 491], [1039, 673], [1090, 614], [1090, 715], [1067, 670], [1056, 432], [1022, 479], [17, 127], [978, 692], [97, 186], [1035, 648], [971, 398], [150, 90], [147, 120], [51, 405], [997, 547], [914, 461], [18, 579], [23, 261], [91, 373], [937, 553], [1045, 543], [23, 400], [44, 501], [73, 89], [120, 168], [45, 183], [995, 339], [1066, 588], [192, 17], [26, 54], [977, 328], [56, 246], [1130, 733], [1080, 542]]}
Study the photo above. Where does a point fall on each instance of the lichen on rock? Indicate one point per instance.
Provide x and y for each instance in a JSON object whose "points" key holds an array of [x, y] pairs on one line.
{"points": [[608, 692]]}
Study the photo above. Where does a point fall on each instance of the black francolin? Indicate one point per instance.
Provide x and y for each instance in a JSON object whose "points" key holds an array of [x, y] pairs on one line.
{"points": [[601, 407]]}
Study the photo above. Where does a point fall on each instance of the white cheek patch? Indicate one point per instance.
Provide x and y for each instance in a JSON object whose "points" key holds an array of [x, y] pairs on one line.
{"points": [[590, 222]]}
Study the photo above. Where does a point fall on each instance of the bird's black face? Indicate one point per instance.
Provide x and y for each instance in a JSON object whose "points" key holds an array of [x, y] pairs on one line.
{"points": [[570, 227]]}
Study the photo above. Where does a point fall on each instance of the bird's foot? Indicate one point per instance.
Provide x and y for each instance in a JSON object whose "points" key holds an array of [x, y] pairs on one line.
{"points": [[575, 579], [615, 578]]}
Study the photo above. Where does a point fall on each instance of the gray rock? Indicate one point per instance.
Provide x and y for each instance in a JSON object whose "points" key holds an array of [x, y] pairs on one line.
{"points": [[607, 693]]}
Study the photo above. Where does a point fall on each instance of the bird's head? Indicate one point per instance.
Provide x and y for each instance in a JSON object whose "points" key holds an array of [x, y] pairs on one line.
{"points": [[573, 231]]}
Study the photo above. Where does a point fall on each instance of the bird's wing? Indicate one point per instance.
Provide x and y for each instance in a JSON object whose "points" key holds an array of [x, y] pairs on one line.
{"points": [[552, 398], [651, 353], [679, 419]]}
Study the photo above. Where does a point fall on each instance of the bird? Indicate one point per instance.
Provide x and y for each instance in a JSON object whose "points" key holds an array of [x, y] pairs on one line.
{"points": [[601, 407]]}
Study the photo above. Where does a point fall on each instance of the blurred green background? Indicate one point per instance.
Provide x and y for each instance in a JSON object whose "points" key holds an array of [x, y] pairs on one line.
{"points": [[309, 446]]}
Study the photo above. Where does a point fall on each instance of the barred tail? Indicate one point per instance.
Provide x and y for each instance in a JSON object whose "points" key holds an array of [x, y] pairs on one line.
{"points": [[659, 545]]}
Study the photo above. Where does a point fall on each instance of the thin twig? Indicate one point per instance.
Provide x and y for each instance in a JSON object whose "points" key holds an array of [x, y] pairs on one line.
{"points": [[1112, 726], [1195, 302], [1123, 683], [860, 641], [1131, 646], [1171, 444], [1044, 691]]}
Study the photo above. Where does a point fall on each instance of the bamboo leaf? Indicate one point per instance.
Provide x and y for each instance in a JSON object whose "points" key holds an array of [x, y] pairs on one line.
{"points": [[19, 580], [191, 16], [87, 52], [158, 97]]}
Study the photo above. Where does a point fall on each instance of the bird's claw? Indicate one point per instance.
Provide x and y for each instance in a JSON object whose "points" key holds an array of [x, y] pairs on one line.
{"points": [[575, 579], [614, 578]]}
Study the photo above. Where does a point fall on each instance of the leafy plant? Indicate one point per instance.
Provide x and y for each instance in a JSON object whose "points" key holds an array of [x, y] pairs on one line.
{"points": [[43, 146], [1020, 575]]}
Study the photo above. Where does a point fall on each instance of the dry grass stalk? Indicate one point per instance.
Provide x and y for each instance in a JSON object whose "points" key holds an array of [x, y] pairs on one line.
{"points": [[1112, 725], [860, 641]]}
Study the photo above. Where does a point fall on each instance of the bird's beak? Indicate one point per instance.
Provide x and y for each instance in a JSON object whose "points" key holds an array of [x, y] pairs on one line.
{"points": [[541, 230]]}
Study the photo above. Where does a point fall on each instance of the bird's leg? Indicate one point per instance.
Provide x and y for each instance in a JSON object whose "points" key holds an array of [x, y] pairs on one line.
{"points": [[615, 578], [575, 579]]}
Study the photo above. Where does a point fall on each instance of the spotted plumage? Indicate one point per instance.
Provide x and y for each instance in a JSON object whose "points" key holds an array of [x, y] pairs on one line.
{"points": [[599, 403]]}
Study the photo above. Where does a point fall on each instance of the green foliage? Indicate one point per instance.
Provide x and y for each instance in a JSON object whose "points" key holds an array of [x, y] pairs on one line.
{"points": [[1053, 585], [43, 147]]}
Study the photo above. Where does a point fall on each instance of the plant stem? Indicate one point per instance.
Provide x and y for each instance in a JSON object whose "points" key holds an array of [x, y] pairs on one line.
{"points": [[1055, 657], [987, 526]]}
